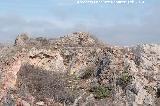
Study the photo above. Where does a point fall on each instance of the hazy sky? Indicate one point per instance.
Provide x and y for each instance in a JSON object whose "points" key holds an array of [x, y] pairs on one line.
{"points": [[123, 24]]}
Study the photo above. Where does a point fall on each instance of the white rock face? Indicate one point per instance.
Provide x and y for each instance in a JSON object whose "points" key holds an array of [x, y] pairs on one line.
{"points": [[47, 60], [146, 73]]}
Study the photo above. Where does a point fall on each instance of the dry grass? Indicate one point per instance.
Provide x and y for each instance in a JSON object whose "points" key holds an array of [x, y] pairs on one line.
{"points": [[45, 84]]}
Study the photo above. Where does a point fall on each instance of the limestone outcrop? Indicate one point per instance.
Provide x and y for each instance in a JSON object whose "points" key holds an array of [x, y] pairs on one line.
{"points": [[78, 70]]}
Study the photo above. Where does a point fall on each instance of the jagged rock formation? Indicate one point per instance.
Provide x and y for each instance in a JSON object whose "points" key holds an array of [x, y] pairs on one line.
{"points": [[78, 70], [21, 40]]}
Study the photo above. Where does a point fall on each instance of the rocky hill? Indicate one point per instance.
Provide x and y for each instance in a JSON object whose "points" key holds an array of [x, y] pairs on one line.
{"points": [[78, 70]]}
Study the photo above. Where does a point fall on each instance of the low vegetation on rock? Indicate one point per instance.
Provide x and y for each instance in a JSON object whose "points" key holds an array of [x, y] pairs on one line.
{"points": [[101, 91], [124, 80]]}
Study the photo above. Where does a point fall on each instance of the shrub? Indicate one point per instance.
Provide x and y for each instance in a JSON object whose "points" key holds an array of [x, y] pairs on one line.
{"points": [[87, 73], [124, 80], [44, 84], [101, 92]]}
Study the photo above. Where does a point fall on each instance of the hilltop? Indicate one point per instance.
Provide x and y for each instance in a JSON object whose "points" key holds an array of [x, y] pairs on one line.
{"points": [[78, 70]]}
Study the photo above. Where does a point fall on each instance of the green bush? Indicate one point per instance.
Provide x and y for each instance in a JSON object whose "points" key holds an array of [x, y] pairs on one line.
{"points": [[124, 80], [101, 92]]}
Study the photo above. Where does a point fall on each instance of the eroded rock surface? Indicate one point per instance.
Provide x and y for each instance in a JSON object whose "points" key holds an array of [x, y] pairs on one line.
{"points": [[78, 70]]}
